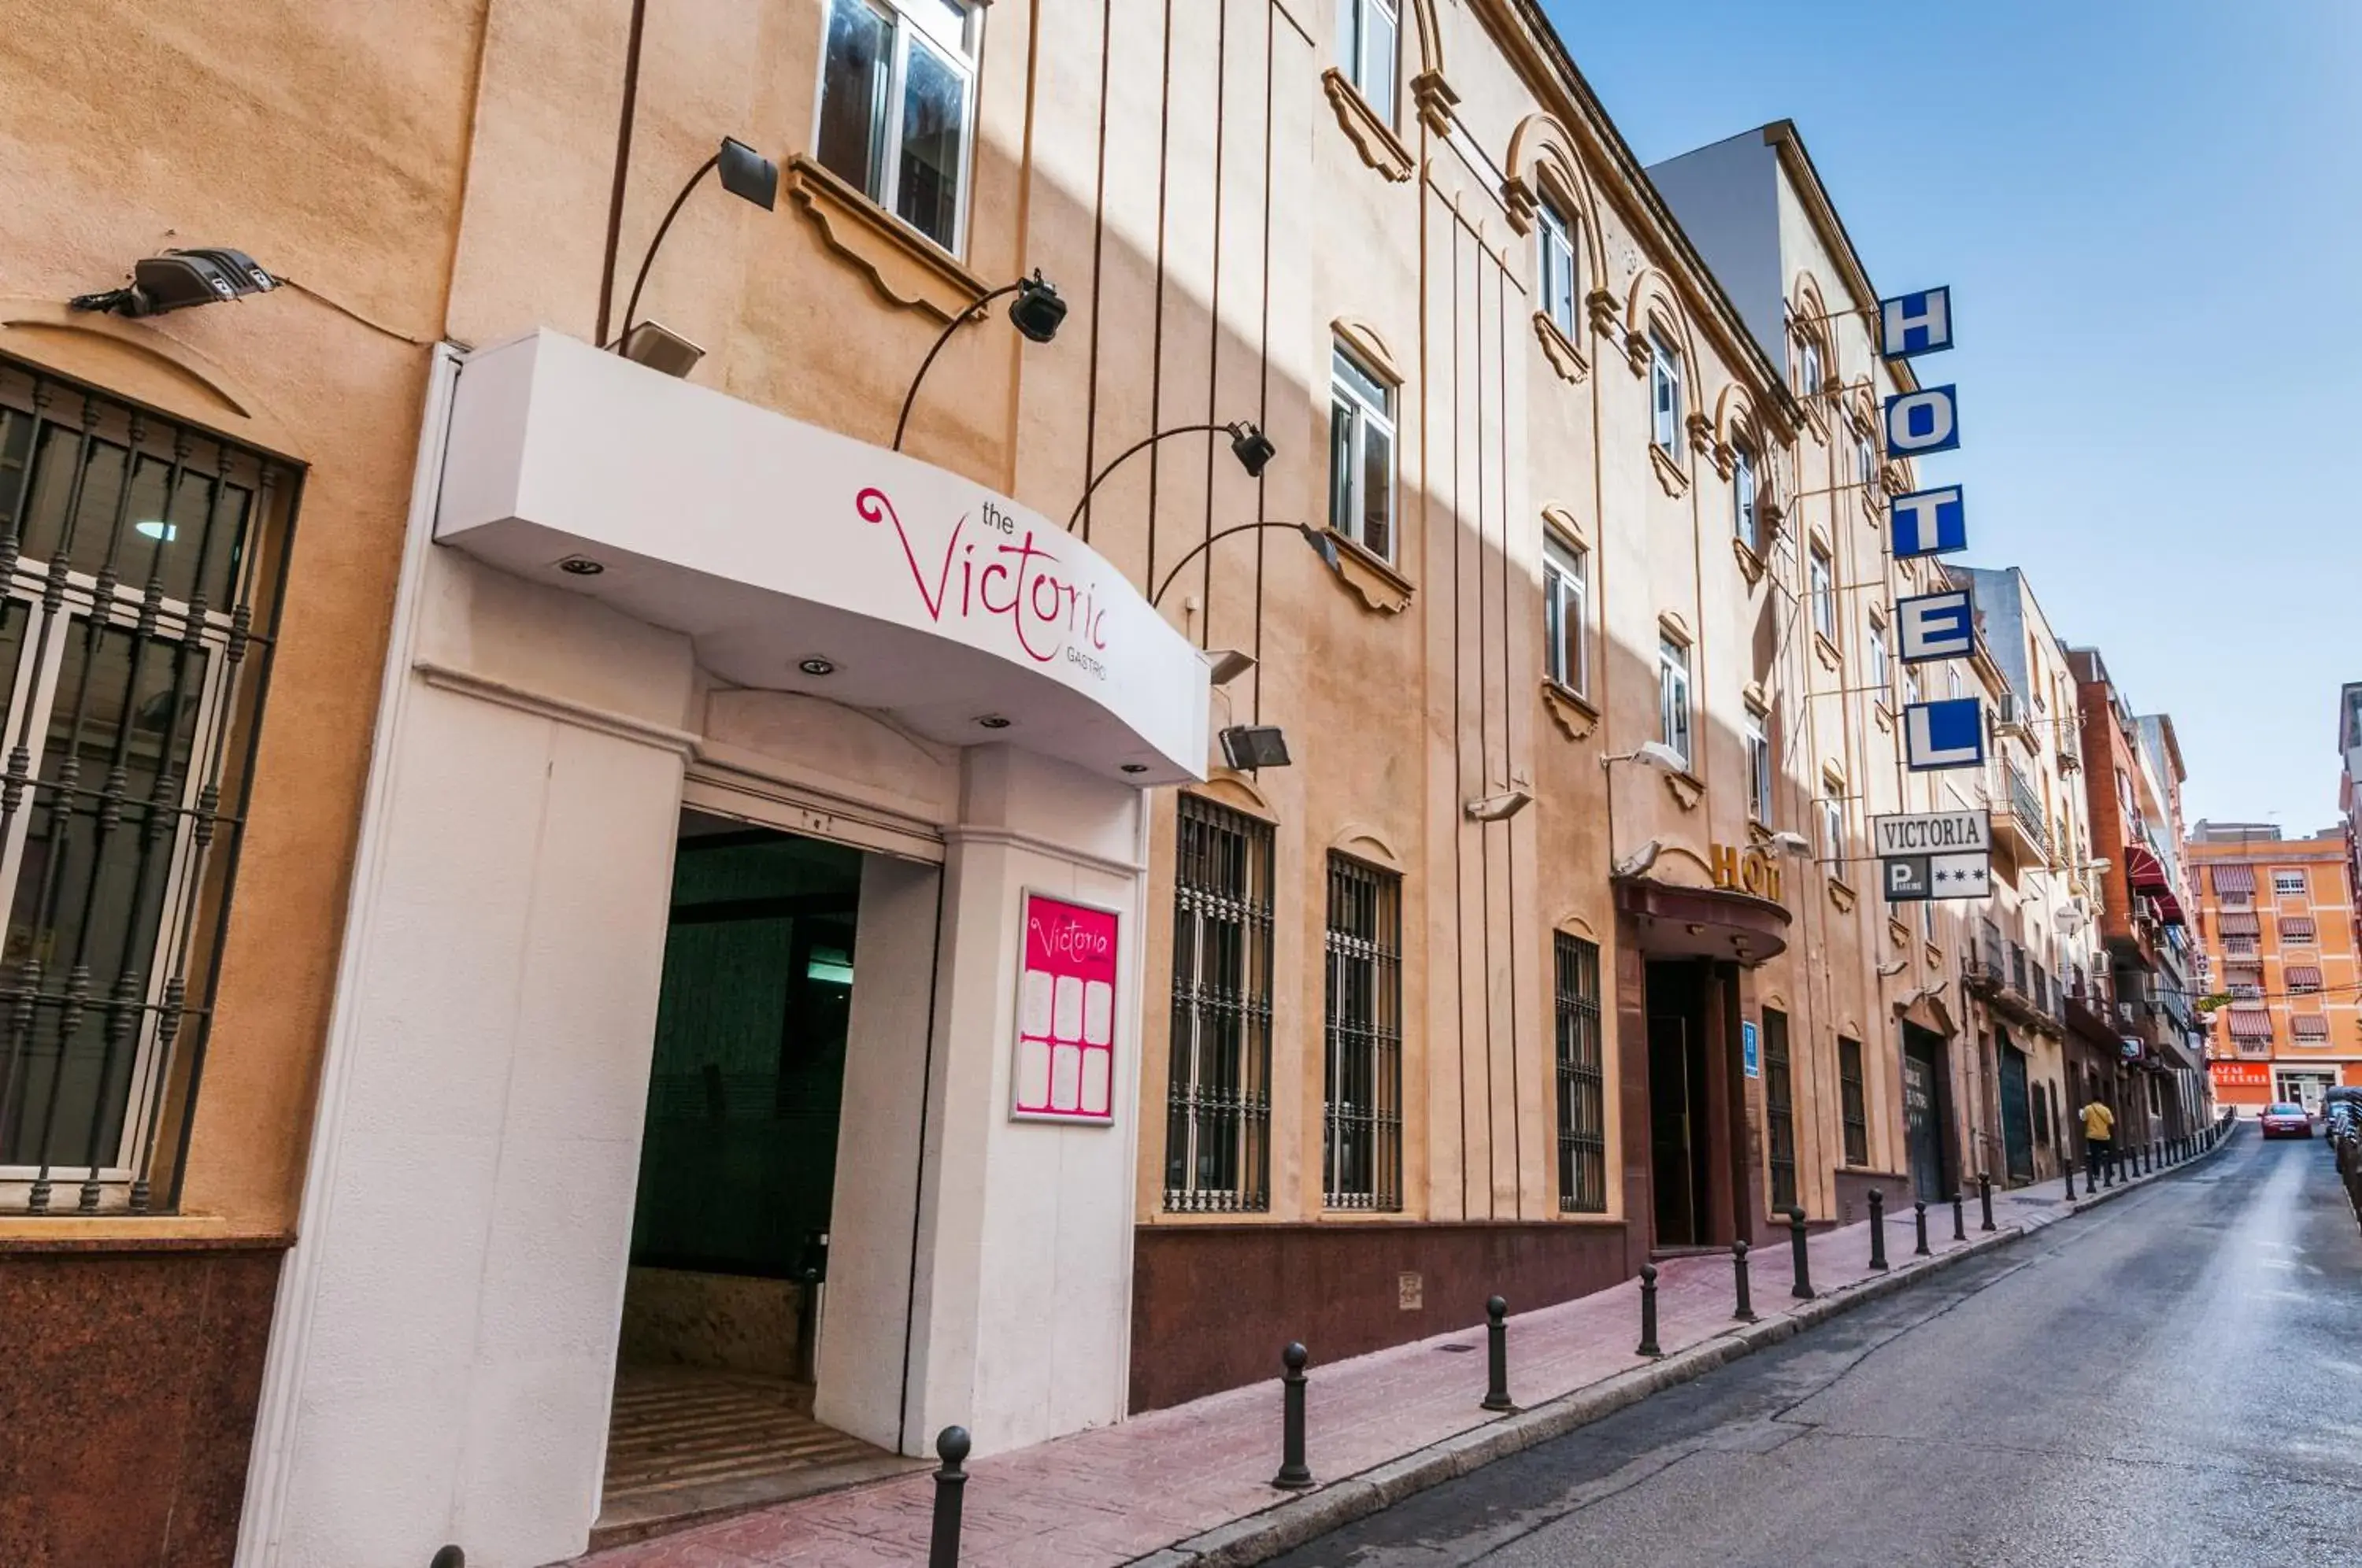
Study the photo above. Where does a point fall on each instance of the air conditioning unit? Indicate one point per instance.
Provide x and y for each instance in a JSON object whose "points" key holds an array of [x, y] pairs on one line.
{"points": [[2070, 759], [2007, 712]]}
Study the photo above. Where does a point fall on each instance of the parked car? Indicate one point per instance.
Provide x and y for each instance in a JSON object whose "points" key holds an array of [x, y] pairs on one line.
{"points": [[2285, 1121]]}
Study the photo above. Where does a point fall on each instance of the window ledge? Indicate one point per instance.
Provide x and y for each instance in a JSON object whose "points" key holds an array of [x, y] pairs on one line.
{"points": [[1560, 349], [1569, 711], [1841, 894], [1885, 713], [1374, 579], [1669, 472], [907, 268], [1750, 565], [1900, 933], [1371, 137], [1686, 788], [1935, 957], [1827, 651]]}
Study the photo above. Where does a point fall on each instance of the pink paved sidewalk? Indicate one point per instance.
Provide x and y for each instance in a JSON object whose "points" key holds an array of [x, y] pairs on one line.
{"points": [[1115, 1494]]}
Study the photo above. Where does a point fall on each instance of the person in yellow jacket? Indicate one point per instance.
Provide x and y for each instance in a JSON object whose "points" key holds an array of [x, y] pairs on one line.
{"points": [[2099, 1139]]}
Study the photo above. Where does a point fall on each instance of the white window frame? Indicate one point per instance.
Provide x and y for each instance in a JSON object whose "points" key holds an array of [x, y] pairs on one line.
{"points": [[1664, 394], [1821, 582], [1808, 365], [1353, 36], [908, 20], [1350, 403], [1882, 664], [1745, 497], [1760, 783], [1557, 279], [1833, 825], [1676, 713], [1566, 613], [2280, 890], [1865, 457]]}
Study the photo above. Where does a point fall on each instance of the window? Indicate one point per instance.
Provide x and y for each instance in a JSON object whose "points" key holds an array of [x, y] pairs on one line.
{"points": [[1745, 518], [1759, 768], [2288, 884], [1582, 1086], [1779, 1109], [1217, 1106], [1882, 672], [1555, 270], [1665, 394], [1854, 1106], [1808, 365], [1824, 587], [898, 84], [1566, 617], [1952, 681], [1361, 456], [1362, 1082], [132, 698], [1366, 31], [1673, 697], [1910, 684], [1833, 825], [2042, 1113], [2293, 929], [1865, 464]]}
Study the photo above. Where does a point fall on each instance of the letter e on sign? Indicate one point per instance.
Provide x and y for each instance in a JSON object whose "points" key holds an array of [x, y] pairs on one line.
{"points": [[1935, 625]]}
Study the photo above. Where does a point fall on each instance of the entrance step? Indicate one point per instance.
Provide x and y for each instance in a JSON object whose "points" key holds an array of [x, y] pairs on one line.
{"points": [[686, 1445]]}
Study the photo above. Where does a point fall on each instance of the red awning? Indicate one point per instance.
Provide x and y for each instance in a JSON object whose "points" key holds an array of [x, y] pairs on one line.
{"points": [[2169, 907], [2233, 879], [2302, 974], [2146, 869], [2235, 924], [2311, 1026], [2295, 928], [2250, 1024]]}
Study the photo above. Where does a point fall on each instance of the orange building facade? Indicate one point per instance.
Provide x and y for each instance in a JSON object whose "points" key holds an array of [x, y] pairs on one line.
{"points": [[2277, 918]]}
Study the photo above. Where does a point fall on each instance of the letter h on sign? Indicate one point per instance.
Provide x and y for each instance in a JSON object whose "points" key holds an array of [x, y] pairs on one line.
{"points": [[1916, 323]]}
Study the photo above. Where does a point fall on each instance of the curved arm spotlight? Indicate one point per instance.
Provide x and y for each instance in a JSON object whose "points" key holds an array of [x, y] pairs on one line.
{"points": [[1322, 546], [1655, 754], [745, 173], [1248, 445], [1035, 312], [1788, 841]]}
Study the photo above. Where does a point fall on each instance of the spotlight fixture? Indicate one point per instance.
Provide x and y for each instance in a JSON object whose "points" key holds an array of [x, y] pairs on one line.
{"points": [[817, 667], [1498, 808], [1323, 544], [1788, 841], [1640, 860], [1251, 448], [1226, 665], [1135, 768], [581, 566], [1248, 445], [660, 348], [1246, 747], [1655, 754], [1035, 312], [745, 173], [179, 279], [992, 722]]}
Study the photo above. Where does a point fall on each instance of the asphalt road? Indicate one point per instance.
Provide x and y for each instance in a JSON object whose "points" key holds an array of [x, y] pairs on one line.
{"points": [[2175, 1377]]}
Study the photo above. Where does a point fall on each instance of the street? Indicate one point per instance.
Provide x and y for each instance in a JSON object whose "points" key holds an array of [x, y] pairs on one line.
{"points": [[2170, 1379]]}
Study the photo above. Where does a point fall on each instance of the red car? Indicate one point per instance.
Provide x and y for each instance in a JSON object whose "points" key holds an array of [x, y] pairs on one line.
{"points": [[2285, 1121]]}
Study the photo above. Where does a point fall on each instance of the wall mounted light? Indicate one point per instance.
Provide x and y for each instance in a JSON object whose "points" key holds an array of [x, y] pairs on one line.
{"points": [[1036, 312], [1640, 860], [660, 348], [1649, 754], [1226, 665], [1498, 808], [1789, 842], [1319, 539], [745, 174], [1248, 445], [179, 279], [1246, 747]]}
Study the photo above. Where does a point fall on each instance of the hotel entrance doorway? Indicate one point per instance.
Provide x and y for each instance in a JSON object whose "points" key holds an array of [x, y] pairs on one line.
{"points": [[723, 1302]]}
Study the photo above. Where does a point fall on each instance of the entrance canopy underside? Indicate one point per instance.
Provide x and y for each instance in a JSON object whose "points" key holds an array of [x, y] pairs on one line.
{"points": [[798, 560]]}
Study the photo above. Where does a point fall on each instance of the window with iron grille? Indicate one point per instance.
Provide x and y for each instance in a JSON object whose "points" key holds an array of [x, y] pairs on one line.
{"points": [[1361, 1131], [1852, 1104], [139, 560], [1217, 1106], [1582, 1083], [1779, 1109]]}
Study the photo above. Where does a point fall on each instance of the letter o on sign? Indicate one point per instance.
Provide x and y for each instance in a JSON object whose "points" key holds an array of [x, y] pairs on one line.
{"points": [[1923, 421]]}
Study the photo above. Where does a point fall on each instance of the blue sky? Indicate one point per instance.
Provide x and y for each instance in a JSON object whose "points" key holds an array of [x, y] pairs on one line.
{"points": [[2150, 216]]}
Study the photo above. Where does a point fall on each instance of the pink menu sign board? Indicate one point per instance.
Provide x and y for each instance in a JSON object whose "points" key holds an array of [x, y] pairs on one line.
{"points": [[1066, 1013]]}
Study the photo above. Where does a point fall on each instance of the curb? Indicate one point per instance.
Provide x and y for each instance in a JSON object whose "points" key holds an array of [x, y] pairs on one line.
{"points": [[1261, 1535]]}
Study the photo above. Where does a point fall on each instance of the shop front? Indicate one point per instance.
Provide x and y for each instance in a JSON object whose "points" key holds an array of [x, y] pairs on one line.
{"points": [[734, 1060]]}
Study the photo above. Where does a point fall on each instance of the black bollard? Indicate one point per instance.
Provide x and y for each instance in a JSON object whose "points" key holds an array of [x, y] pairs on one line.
{"points": [[1804, 1262], [1959, 1219], [1746, 1310], [1919, 1216], [1877, 1228], [1648, 1311], [447, 1557], [2108, 1168], [1984, 1201], [1496, 1355], [1294, 1476], [2069, 1164], [942, 1545]]}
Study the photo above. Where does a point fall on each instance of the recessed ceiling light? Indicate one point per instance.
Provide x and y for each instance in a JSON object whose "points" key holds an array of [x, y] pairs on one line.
{"points": [[817, 667], [993, 722], [1135, 768], [581, 566]]}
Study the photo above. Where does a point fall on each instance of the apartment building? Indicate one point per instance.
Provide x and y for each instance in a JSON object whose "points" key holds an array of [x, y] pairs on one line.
{"points": [[819, 857], [2278, 917]]}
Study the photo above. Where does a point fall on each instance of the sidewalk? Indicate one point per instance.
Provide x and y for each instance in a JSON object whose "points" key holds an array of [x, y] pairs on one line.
{"points": [[1192, 1484]]}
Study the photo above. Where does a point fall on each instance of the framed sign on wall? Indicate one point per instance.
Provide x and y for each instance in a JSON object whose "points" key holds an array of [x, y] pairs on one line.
{"points": [[1066, 1013]]}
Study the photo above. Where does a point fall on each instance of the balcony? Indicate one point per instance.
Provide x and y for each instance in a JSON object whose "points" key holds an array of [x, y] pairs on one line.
{"points": [[2014, 985], [2019, 823]]}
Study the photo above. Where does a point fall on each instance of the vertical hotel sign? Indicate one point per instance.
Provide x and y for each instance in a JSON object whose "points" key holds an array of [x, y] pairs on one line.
{"points": [[1066, 1013]]}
